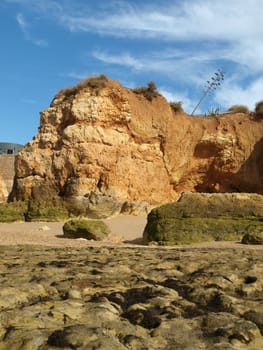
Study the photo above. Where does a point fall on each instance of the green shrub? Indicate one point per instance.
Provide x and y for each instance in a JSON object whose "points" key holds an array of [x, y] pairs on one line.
{"points": [[239, 109], [259, 109], [46, 211], [149, 92], [176, 106], [88, 229], [11, 212]]}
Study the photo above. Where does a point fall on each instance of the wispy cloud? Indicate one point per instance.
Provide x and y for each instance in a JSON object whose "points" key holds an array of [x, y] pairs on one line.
{"points": [[25, 27], [234, 23], [21, 21], [178, 96], [124, 59], [177, 65], [195, 37], [236, 94]]}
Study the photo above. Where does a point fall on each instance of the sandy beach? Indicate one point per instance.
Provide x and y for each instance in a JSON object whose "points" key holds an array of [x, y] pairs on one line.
{"points": [[126, 230]]}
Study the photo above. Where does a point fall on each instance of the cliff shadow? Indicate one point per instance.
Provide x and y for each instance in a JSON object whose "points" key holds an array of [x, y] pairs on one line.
{"points": [[249, 178]]}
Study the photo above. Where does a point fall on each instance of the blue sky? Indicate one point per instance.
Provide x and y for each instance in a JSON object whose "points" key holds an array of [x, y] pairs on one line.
{"points": [[47, 45]]}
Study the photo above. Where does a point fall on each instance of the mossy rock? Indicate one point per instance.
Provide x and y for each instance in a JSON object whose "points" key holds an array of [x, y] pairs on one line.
{"points": [[46, 211], [205, 217], [88, 229], [253, 238], [213, 205]]}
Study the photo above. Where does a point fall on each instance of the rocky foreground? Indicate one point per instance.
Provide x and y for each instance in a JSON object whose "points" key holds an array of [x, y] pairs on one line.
{"points": [[130, 298]]}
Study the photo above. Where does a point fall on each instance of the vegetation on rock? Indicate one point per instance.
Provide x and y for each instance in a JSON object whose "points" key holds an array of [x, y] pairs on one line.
{"points": [[88, 229], [211, 85], [11, 212], [238, 109], [205, 217], [149, 92], [253, 238], [177, 106], [33, 211], [96, 83], [259, 109], [46, 211], [213, 112]]}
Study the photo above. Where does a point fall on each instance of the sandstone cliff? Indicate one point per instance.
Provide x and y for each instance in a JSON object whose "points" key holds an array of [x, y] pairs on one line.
{"points": [[109, 148], [3, 190], [7, 173]]}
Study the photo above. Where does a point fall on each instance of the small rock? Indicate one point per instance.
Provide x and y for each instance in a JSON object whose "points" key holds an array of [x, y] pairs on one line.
{"points": [[44, 228]]}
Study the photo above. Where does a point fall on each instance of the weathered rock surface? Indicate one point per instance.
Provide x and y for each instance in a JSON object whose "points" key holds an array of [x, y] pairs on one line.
{"points": [[3, 190], [130, 298], [109, 147], [7, 173], [198, 217], [88, 229]]}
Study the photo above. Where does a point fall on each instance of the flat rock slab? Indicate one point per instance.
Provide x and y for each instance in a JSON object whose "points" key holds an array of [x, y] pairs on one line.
{"points": [[201, 217], [130, 298]]}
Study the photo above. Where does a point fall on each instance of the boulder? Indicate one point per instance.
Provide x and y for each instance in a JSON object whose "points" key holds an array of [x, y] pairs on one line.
{"points": [[198, 217], [253, 238], [88, 229]]}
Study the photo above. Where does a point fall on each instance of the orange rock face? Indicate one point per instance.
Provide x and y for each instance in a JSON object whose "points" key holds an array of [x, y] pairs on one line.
{"points": [[114, 145]]}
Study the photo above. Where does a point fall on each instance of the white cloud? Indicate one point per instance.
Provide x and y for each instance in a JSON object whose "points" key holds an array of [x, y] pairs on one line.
{"points": [[178, 96], [236, 24], [232, 93], [194, 37], [21, 21], [25, 27], [187, 20], [125, 59], [178, 64]]}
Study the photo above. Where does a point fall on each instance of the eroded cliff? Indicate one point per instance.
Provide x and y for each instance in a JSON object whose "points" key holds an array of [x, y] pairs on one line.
{"points": [[109, 148], [3, 190]]}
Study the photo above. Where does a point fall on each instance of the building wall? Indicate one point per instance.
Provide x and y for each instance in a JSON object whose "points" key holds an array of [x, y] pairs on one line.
{"points": [[9, 148]]}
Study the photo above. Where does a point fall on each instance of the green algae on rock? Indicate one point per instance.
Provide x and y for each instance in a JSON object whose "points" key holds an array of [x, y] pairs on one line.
{"points": [[88, 229], [199, 217], [46, 211], [253, 238]]}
